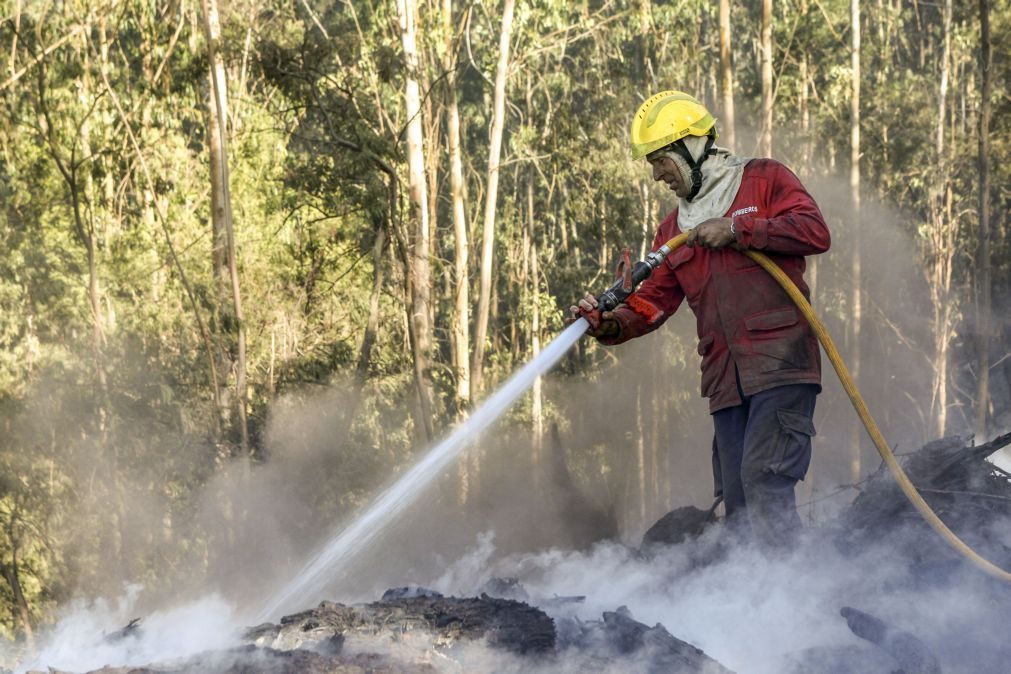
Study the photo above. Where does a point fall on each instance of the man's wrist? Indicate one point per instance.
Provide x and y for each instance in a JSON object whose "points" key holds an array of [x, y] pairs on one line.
{"points": [[733, 231], [609, 329]]}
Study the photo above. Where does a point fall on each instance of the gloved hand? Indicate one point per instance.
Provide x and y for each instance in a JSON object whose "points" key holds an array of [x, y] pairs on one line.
{"points": [[602, 324]]}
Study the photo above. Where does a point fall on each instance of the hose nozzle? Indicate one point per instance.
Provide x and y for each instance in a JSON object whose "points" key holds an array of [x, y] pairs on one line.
{"points": [[630, 276]]}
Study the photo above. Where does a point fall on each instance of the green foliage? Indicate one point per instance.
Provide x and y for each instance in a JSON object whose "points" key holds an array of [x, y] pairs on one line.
{"points": [[108, 294]]}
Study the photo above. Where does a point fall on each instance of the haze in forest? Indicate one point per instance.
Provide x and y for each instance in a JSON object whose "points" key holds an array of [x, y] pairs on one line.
{"points": [[239, 295]]}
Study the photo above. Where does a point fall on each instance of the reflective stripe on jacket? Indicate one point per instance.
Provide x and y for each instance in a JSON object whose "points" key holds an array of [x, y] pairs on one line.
{"points": [[744, 318]]}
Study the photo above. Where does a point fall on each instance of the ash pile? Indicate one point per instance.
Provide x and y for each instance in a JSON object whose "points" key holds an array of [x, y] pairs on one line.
{"points": [[415, 630]]}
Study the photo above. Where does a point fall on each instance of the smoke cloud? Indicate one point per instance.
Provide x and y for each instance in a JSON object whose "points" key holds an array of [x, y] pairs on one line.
{"points": [[764, 615], [85, 636]]}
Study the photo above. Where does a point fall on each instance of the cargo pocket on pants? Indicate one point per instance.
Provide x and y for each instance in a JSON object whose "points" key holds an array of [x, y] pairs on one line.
{"points": [[793, 454]]}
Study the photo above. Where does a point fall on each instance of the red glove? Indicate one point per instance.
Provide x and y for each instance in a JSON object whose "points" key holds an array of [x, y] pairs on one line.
{"points": [[602, 324]]}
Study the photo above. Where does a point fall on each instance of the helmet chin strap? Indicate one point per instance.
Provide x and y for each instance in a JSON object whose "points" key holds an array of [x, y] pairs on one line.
{"points": [[681, 149]]}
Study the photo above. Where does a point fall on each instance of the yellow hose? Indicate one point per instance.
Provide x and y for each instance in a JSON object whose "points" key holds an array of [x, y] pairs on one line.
{"points": [[865, 414]]}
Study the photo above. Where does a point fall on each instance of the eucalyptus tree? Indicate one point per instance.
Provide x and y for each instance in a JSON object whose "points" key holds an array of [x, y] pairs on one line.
{"points": [[984, 276], [231, 323], [491, 195]]}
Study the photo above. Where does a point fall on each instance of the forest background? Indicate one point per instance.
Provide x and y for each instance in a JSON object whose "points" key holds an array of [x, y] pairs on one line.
{"points": [[275, 248]]}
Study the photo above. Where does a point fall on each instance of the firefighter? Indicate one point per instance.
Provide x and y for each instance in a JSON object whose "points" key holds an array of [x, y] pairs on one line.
{"points": [[761, 367]]}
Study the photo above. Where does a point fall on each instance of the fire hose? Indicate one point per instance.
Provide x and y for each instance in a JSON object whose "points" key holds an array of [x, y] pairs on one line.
{"points": [[632, 276]]}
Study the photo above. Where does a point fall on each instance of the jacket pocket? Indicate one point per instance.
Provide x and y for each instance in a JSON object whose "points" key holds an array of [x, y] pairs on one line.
{"points": [[796, 422], [776, 341], [771, 320], [687, 275]]}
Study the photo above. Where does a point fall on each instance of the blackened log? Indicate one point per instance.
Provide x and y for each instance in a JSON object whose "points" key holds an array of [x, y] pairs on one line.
{"points": [[910, 652], [620, 638], [679, 525]]}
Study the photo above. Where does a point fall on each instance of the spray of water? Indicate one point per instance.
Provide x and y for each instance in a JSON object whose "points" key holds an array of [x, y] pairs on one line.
{"points": [[358, 535]]}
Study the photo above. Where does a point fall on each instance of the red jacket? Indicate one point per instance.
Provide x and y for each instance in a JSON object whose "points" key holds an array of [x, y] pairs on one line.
{"points": [[744, 318]]}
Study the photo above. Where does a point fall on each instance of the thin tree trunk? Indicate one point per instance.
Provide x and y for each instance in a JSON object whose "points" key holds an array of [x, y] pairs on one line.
{"points": [[805, 119], [491, 195], [727, 128], [941, 253], [418, 192], [805, 108], [537, 402], [765, 143], [12, 575], [537, 406], [12, 60], [224, 254], [857, 289], [517, 349], [805, 160], [372, 324], [460, 328], [983, 257], [657, 398], [640, 457]]}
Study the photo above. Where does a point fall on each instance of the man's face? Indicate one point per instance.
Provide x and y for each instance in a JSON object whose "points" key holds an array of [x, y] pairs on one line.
{"points": [[666, 170]]}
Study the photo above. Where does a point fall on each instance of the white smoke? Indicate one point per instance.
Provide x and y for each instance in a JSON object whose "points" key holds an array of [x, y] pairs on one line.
{"points": [[751, 613], [756, 614], [84, 636]]}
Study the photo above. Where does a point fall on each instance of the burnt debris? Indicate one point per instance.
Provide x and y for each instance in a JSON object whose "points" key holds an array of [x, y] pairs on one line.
{"points": [[970, 495], [427, 633], [908, 650], [504, 624], [416, 629]]}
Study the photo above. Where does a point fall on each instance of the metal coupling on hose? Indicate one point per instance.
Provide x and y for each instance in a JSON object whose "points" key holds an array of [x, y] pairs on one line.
{"points": [[657, 256]]}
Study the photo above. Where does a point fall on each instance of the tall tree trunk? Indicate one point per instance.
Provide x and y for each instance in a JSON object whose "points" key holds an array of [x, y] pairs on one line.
{"points": [[224, 251], [941, 243], [727, 128], [640, 456], [856, 314], [431, 131], [491, 195], [765, 141], [805, 119], [418, 193], [90, 240], [460, 327], [372, 324], [983, 257], [11, 574], [805, 162], [537, 401]]}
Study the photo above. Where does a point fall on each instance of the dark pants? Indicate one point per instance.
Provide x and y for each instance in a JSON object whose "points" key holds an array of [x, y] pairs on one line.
{"points": [[761, 449]]}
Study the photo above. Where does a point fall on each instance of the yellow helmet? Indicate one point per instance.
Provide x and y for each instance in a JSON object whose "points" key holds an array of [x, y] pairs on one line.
{"points": [[667, 117]]}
